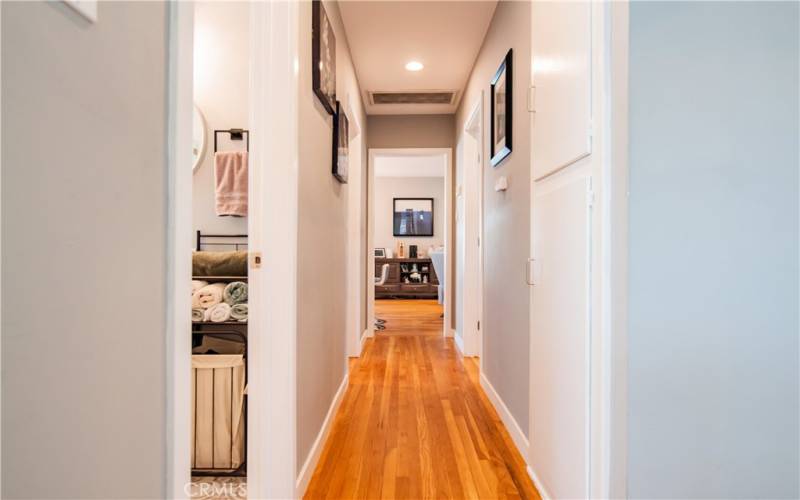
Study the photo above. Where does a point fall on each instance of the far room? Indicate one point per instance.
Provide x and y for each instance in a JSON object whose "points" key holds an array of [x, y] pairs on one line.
{"points": [[410, 228]]}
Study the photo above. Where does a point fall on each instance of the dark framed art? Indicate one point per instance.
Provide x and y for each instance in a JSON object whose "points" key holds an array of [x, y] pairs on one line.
{"points": [[323, 57], [380, 252], [412, 216], [501, 108], [341, 144]]}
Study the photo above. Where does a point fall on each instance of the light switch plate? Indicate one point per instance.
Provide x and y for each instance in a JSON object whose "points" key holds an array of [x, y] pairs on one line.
{"points": [[501, 184], [86, 8]]}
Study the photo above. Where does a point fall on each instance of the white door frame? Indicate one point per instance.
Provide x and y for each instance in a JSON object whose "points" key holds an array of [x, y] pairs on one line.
{"points": [[608, 400], [448, 239], [271, 461], [473, 167], [355, 240], [613, 470], [274, 52], [179, 247]]}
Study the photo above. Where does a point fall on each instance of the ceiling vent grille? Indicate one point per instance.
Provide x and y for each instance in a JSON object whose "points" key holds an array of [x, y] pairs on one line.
{"points": [[418, 97]]}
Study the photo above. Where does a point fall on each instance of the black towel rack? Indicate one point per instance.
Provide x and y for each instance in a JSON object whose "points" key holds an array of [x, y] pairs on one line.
{"points": [[237, 134]]}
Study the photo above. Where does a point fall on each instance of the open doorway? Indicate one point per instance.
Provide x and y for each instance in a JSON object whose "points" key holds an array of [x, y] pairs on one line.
{"points": [[232, 121], [409, 234], [469, 235], [220, 218]]}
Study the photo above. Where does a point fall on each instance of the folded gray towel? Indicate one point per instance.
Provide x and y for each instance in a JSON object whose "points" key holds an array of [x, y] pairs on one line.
{"points": [[239, 312], [235, 293]]}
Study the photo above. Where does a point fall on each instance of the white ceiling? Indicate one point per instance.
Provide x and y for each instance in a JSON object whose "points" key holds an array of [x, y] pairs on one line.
{"points": [[445, 36], [409, 166]]}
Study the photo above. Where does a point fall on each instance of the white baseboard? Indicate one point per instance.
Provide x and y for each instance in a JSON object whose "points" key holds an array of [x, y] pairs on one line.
{"points": [[539, 486], [450, 333], [459, 343], [313, 456], [505, 415], [523, 445]]}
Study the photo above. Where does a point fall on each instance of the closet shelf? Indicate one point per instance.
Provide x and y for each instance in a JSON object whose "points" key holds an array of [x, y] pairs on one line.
{"points": [[220, 278], [229, 323]]}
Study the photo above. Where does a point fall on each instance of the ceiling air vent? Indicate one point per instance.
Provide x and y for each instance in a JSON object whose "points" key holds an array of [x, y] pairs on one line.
{"points": [[419, 97]]}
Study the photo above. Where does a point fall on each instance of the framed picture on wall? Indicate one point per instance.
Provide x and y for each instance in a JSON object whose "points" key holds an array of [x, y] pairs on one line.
{"points": [[501, 107], [341, 144], [412, 216], [323, 57]]}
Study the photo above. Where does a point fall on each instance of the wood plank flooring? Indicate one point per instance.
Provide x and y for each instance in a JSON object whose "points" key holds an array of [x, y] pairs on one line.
{"points": [[415, 423]]}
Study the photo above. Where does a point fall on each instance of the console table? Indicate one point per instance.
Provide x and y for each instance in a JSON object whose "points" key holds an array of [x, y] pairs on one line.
{"points": [[401, 283]]}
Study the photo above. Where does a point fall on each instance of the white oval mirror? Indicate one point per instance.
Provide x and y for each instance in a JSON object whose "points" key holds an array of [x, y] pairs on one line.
{"points": [[198, 138]]}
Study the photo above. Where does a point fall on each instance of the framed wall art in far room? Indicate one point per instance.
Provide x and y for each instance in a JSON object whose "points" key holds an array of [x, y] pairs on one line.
{"points": [[501, 111], [341, 144], [412, 216], [323, 57]]}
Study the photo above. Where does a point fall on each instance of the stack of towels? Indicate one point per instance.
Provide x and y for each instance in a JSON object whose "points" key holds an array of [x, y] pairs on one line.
{"points": [[219, 302]]}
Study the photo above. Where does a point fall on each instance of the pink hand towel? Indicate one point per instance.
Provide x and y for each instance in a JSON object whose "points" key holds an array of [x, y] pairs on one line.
{"points": [[230, 179]]}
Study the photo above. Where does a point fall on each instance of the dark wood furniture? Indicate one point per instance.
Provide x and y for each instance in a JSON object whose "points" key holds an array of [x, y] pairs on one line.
{"points": [[400, 284]]}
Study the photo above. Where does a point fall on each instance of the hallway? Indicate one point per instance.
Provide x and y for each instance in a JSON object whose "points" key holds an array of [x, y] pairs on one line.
{"points": [[414, 422]]}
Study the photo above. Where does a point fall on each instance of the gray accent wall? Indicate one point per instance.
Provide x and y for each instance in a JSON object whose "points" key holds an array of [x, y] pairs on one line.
{"points": [[506, 222], [322, 240], [411, 131], [83, 251], [713, 308]]}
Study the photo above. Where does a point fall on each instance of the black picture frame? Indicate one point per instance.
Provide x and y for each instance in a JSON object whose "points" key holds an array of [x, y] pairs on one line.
{"points": [[341, 144], [502, 119], [397, 222], [323, 57], [380, 252]]}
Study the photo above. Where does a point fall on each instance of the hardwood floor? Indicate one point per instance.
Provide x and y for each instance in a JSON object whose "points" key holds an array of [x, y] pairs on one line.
{"points": [[415, 423]]}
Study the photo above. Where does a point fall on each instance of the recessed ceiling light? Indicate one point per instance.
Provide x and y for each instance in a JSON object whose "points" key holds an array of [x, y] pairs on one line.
{"points": [[414, 66]]}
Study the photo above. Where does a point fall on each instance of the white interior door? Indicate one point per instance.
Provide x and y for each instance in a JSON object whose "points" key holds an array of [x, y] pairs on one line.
{"points": [[472, 214], [560, 344], [561, 248], [562, 50], [470, 179], [462, 288]]}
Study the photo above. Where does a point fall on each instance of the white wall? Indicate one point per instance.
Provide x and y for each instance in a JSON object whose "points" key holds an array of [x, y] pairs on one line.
{"points": [[388, 188], [506, 214], [84, 251], [713, 307], [221, 91], [322, 238]]}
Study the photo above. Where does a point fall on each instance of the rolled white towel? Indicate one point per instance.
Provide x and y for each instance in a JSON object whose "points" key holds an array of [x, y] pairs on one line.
{"points": [[208, 296], [239, 312], [197, 285], [198, 314], [218, 313]]}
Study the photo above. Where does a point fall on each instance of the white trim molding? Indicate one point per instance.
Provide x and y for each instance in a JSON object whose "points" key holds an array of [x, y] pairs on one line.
{"points": [[543, 493], [179, 247], [508, 419], [274, 148], [614, 475], [459, 342], [447, 330], [311, 461]]}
